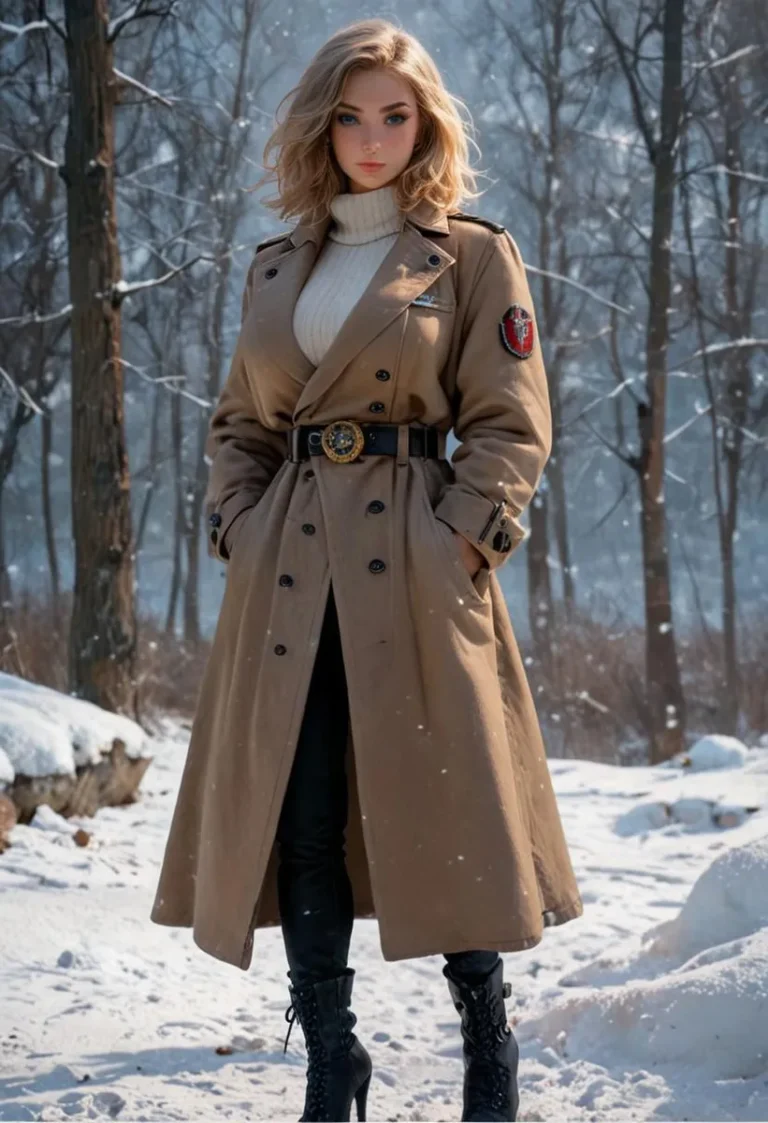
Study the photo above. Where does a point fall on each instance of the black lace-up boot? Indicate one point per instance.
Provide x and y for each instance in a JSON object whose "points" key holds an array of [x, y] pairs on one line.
{"points": [[339, 1067], [490, 1050]]}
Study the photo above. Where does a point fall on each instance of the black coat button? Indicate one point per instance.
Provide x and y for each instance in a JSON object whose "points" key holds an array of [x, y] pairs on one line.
{"points": [[309, 474], [270, 273], [286, 579], [375, 507], [376, 566], [377, 407], [308, 528], [280, 649], [215, 519], [502, 542], [383, 375], [433, 260]]}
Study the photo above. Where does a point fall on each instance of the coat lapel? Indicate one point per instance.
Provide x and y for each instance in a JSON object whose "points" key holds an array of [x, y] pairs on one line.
{"points": [[274, 299], [403, 275]]}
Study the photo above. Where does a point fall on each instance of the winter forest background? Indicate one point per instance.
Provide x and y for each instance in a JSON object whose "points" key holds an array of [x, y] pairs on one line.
{"points": [[625, 150]]}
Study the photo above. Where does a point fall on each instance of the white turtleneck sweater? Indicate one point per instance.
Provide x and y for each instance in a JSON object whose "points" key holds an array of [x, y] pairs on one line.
{"points": [[366, 226]]}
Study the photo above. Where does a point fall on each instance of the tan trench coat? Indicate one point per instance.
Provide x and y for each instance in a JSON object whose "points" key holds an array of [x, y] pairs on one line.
{"points": [[454, 839]]}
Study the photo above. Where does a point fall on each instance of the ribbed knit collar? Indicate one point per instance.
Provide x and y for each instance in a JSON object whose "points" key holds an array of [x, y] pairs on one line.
{"points": [[365, 216]]}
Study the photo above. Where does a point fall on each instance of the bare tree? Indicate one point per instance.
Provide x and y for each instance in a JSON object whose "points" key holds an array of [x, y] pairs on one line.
{"points": [[725, 176], [665, 702]]}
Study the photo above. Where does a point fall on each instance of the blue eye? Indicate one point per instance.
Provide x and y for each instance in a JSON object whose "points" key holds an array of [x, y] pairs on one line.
{"points": [[339, 117]]}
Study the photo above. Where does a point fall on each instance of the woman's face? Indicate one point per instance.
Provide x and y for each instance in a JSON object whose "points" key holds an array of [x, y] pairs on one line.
{"points": [[376, 120]]}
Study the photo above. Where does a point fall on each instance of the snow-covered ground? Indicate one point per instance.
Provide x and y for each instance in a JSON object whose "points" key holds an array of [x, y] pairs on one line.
{"points": [[653, 1005]]}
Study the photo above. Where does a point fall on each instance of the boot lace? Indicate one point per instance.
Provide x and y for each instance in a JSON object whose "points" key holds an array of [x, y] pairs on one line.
{"points": [[317, 1060], [486, 1030]]}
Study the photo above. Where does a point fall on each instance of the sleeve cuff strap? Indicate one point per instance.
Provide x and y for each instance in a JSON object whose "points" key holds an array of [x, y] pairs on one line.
{"points": [[220, 519], [490, 527]]}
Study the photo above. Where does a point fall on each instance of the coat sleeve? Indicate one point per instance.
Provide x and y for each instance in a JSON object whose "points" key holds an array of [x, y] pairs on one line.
{"points": [[502, 416], [244, 455]]}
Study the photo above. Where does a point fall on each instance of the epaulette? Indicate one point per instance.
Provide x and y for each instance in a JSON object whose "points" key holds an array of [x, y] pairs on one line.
{"points": [[272, 241], [495, 226]]}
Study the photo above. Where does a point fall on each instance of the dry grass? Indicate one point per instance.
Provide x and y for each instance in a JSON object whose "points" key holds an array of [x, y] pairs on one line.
{"points": [[590, 700], [36, 648]]}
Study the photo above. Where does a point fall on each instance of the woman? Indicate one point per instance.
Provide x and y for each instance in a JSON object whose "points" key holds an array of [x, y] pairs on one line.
{"points": [[364, 674]]}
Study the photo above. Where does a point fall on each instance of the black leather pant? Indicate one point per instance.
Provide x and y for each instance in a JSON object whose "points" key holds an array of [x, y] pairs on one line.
{"points": [[314, 890]]}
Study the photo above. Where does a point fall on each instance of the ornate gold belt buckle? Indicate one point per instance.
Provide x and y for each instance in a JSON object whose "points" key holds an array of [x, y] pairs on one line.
{"points": [[342, 441]]}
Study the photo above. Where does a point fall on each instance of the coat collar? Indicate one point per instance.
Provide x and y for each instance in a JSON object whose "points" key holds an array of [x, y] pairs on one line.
{"points": [[424, 216], [414, 262]]}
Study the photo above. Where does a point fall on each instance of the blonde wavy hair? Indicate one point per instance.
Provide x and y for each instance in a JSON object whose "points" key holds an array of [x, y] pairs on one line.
{"points": [[308, 176]]}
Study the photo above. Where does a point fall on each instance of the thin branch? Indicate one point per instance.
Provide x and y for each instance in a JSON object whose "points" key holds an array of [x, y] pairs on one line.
{"points": [[36, 318], [122, 289], [153, 95], [137, 11], [577, 285], [687, 424], [20, 392]]}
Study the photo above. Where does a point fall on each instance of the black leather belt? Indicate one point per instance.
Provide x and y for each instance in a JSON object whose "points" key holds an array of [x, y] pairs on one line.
{"points": [[344, 441]]}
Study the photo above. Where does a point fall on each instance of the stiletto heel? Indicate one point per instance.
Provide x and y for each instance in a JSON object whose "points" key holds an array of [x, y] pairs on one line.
{"points": [[361, 1097], [336, 1058]]}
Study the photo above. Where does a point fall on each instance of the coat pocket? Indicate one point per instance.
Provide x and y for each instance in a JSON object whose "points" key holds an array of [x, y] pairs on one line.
{"points": [[474, 587]]}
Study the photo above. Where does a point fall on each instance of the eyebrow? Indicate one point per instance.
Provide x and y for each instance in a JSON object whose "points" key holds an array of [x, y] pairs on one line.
{"points": [[384, 108]]}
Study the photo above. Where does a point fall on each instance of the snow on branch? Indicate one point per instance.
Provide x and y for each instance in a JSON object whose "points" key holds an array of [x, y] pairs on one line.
{"points": [[36, 318], [577, 285], [729, 345], [750, 177], [153, 95], [20, 392], [122, 289], [24, 29], [167, 382], [732, 57], [700, 412]]}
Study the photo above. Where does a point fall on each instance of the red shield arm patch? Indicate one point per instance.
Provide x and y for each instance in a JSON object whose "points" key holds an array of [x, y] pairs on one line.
{"points": [[517, 331]]}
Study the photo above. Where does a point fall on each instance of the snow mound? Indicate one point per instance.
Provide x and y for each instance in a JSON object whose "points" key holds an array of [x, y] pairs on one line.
{"points": [[711, 1014], [46, 733], [729, 900], [707, 1008], [715, 751]]}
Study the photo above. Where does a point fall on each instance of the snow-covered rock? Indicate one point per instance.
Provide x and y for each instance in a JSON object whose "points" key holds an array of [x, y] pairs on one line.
{"points": [[715, 751], [46, 733]]}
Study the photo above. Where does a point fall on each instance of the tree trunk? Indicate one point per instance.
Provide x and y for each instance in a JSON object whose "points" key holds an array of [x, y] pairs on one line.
{"points": [[178, 516], [48, 525], [103, 628], [738, 390], [556, 487], [666, 711], [539, 585]]}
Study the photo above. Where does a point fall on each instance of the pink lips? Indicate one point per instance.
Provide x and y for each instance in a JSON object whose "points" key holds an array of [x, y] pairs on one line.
{"points": [[370, 166]]}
